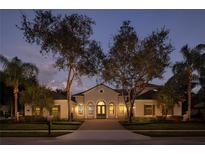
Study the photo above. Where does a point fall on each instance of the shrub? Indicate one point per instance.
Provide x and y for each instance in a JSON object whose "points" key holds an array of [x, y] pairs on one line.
{"points": [[31, 119], [175, 118]]}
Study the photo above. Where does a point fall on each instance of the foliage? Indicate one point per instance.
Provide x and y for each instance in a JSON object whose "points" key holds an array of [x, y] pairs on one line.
{"points": [[68, 38], [59, 94], [15, 73], [6, 92], [39, 96], [173, 92], [193, 60], [132, 63]]}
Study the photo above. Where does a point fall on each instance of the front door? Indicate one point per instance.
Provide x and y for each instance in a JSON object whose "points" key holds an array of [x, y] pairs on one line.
{"points": [[101, 110]]}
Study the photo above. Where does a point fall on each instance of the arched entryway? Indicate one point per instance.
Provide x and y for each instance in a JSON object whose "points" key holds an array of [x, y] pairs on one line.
{"points": [[101, 110]]}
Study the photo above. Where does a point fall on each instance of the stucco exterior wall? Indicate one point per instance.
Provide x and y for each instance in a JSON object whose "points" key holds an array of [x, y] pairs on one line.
{"points": [[63, 108], [139, 108], [107, 95], [178, 109], [28, 110], [61, 103], [95, 95]]}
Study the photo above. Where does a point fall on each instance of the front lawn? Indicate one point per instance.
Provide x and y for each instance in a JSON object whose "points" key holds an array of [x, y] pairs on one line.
{"points": [[172, 134], [31, 134], [40, 126], [165, 126]]}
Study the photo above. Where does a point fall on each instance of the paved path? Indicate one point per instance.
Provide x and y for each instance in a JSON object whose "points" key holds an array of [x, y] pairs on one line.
{"points": [[101, 124], [102, 130]]}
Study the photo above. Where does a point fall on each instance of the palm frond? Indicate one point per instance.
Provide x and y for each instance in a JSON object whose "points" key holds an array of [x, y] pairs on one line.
{"points": [[178, 67], [29, 70], [4, 61], [185, 50], [200, 47]]}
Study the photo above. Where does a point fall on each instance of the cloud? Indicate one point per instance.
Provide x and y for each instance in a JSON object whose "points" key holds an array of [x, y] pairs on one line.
{"points": [[46, 72], [77, 86], [53, 84]]}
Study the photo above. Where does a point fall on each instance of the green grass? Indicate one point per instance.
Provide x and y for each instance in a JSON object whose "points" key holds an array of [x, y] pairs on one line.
{"points": [[31, 134], [172, 134], [165, 126], [40, 126]]}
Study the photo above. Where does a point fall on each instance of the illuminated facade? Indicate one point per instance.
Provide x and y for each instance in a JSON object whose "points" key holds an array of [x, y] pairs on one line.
{"points": [[103, 102]]}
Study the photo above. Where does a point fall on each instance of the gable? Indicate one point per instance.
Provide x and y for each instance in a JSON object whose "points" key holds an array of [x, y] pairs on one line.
{"points": [[101, 93], [102, 86]]}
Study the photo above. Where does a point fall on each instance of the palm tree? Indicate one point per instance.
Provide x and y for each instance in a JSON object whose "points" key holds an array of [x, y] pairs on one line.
{"points": [[192, 61], [16, 72]]}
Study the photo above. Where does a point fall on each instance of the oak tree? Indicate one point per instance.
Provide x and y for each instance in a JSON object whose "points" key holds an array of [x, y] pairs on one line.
{"points": [[132, 63], [68, 38]]}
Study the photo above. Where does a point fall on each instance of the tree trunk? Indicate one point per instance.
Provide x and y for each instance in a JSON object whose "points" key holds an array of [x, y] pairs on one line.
{"points": [[71, 76], [11, 102], [69, 106], [189, 93], [16, 90], [69, 101], [131, 112]]}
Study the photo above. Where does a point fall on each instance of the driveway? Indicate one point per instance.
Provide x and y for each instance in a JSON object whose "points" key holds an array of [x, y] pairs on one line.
{"points": [[102, 130], [101, 124]]}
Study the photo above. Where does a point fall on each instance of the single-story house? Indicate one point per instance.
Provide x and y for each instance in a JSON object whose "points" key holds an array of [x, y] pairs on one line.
{"points": [[102, 101]]}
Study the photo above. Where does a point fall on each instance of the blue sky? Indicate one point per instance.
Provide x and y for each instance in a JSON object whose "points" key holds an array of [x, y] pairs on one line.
{"points": [[186, 27]]}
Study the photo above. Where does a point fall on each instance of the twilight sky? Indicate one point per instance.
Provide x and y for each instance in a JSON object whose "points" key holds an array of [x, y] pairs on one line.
{"points": [[186, 27]]}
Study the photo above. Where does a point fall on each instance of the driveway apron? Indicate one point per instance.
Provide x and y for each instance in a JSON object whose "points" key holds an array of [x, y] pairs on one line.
{"points": [[102, 130]]}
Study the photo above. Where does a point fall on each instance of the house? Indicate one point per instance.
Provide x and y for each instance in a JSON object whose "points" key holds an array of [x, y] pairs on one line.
{"points": [[101, 101]]}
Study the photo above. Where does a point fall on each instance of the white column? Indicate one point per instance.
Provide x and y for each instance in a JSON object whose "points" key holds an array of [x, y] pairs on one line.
{"points": [[106, 108], [116, 111], [95, 108]]}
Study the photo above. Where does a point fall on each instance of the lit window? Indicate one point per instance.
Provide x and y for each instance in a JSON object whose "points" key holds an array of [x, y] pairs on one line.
{"points": [[121, 108], [101, 103], [111, 108], [80, 108], [149, 109], [55, 111], [37, 111], [90, 108]]}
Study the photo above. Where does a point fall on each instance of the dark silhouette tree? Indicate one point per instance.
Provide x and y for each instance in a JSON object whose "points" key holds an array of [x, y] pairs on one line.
{"points": [[6, 93], [16, 72], [68, 39], [192, 61], [131, 64]]}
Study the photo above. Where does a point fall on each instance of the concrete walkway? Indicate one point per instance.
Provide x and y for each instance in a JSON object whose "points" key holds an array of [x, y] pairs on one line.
{"points": [[101, 124], [102, 130]]}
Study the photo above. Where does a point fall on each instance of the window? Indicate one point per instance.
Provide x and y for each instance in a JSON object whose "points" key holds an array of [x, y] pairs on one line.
{"points": [[80, 109], [90, 108], [149, 109], [101, 91], [111, 108], [55, 111], [37, 111], [121, 108], [101, 103]]}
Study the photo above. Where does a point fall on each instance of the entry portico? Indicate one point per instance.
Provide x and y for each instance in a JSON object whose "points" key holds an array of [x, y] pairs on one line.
{"points": [[99, 102]]}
